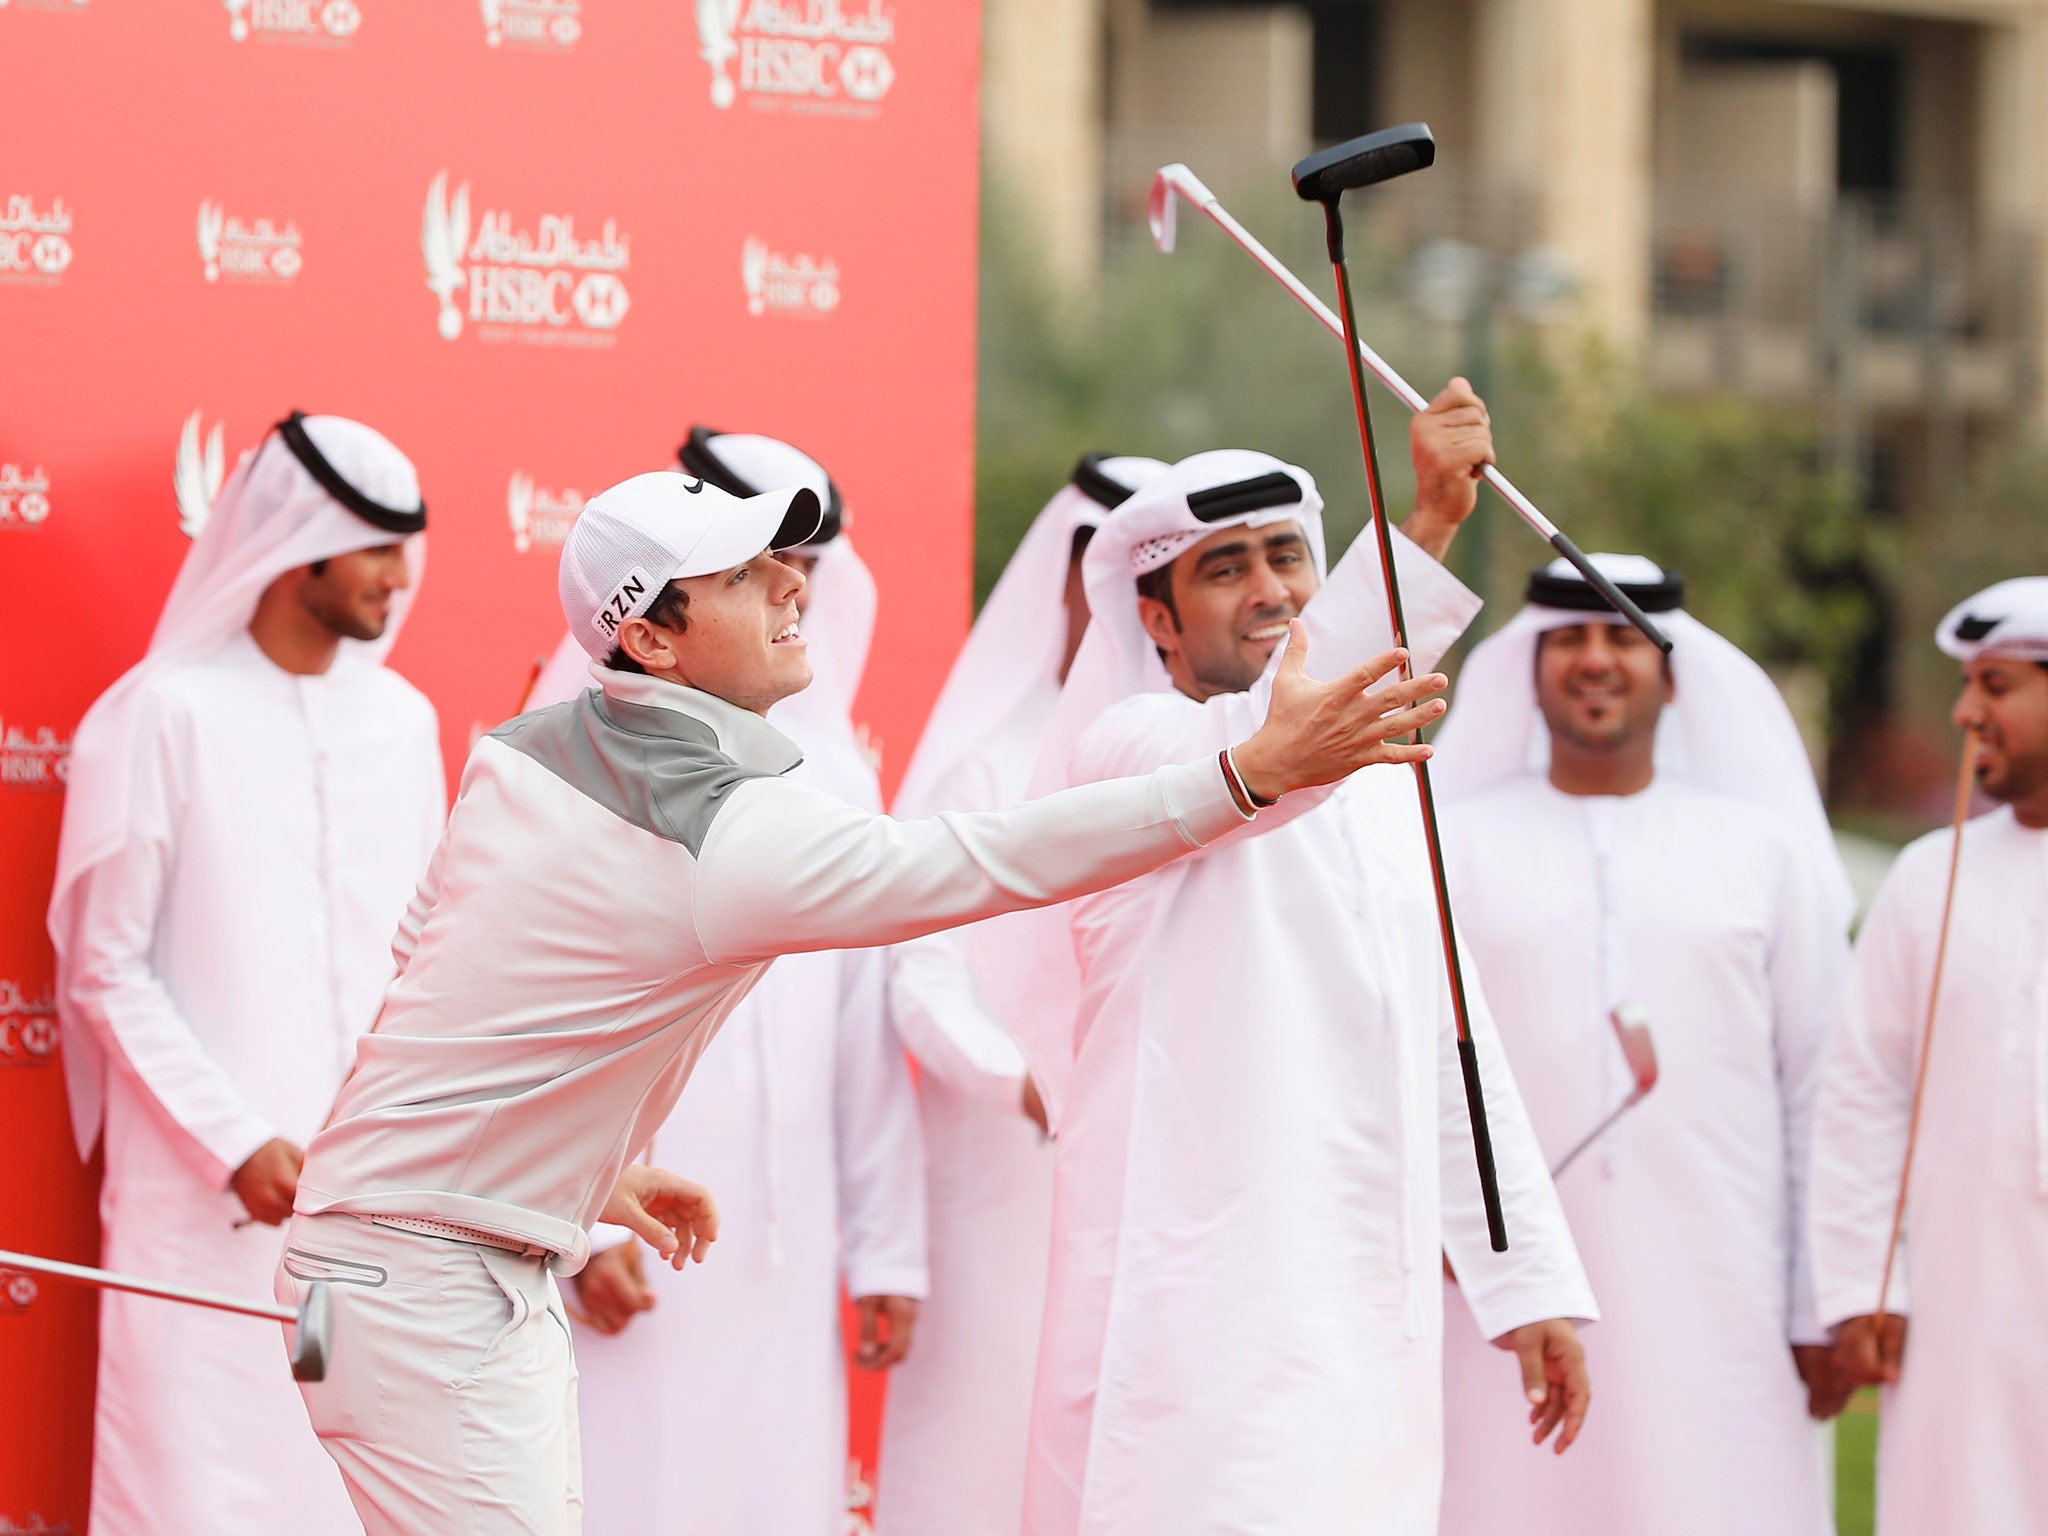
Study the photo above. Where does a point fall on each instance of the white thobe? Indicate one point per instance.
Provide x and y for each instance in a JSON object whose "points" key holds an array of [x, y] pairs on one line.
{"points": [[952, 1461], [1690, 905], [225, 961], [1264, 1145], [724, 1409], [1960, 1445]]}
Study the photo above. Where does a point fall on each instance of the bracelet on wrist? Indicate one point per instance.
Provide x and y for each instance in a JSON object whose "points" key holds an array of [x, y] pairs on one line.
{"points": [[1238, 788]]}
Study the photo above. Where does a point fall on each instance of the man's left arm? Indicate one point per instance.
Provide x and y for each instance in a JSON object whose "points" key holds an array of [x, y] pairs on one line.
{"points": [[880, 1159]]}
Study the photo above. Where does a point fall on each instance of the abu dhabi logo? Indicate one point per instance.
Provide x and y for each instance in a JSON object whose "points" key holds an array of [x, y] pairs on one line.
{"points": [[35, 246], [28, 1026], [198, 475], [800, 287], [540, 284], [24, 497], [36, 759], [247, 250], [539, 515], [329, 23], [553, 25], [824, 56]]}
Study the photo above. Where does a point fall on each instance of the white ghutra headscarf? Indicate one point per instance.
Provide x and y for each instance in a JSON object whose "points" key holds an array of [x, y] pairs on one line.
{"points": [[275, 514], [1019, 640], [1727, 726]]}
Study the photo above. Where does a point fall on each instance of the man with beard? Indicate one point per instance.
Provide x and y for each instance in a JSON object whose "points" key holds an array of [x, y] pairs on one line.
{"points": [[1633, 835], [248, 810], [1250, 1066], [1960, 1349]]}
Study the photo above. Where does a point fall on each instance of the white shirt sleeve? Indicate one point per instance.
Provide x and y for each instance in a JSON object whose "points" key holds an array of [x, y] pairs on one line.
{"points": [[935, 1000], [1808, 961], [940, 1014], [1864, 1106], [1540, 1275], [879, 1141], [110, 985], [786, 868]]}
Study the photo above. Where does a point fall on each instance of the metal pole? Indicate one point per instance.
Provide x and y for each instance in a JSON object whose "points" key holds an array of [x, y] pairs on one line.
{"points": [[1468, 1054]]}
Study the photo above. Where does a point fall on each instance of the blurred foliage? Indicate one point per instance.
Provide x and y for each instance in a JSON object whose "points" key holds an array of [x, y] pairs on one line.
{"points": [[1199, 349], [1996, 527]]}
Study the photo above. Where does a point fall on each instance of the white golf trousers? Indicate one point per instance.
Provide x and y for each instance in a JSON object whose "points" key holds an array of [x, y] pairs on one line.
{"points": [[450, 1397]]}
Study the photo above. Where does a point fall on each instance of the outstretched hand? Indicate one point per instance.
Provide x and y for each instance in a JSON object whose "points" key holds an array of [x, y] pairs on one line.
{"points": [[1553, 1379], [676, 1218], [1317, 733]]}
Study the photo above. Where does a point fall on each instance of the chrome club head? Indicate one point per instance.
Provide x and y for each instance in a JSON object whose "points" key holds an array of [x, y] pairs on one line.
{"points": [[314, 1332]]}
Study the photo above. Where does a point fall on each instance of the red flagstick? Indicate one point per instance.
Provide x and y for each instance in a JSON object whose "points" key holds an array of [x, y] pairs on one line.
{"points": [[1964, 782]]}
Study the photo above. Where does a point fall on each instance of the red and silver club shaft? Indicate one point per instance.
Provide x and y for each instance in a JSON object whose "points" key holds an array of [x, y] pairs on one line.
{"points": [[1177, 180]]}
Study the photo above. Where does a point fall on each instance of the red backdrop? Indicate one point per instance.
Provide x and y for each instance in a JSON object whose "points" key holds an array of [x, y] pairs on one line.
{"points": [[530, 240]]}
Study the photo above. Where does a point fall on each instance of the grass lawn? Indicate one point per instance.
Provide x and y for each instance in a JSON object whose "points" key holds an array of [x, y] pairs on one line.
{"points": [[1856, 1466]]}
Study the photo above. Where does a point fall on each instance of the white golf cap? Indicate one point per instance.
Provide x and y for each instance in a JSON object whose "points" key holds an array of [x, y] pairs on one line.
{"points": [[643, 533]]}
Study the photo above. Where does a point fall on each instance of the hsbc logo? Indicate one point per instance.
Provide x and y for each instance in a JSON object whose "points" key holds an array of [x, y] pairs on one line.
{"points": [[326, 23], [799, 287], [28, 1027], [36, 759], [247, 250], [550, 25], [17, 1292], [24, 497], [35, 245], [538, 515], [537, 284], [818, 56]]}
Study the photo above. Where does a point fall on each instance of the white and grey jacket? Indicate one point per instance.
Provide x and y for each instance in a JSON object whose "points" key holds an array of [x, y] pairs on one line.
{"points": [[617, 873]]}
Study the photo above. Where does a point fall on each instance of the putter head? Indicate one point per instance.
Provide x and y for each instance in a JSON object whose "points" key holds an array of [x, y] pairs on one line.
{"points": [[314, 1334], [1159, 203], [1632, 1032], [1329, 173]]}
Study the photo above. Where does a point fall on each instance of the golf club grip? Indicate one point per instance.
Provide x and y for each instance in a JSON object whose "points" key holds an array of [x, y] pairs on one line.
{"points": [[1619, 600], [1482, 1145]]}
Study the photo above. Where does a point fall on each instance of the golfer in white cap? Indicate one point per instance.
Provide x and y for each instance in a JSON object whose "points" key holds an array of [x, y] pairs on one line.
{"points": [[618, 871]]}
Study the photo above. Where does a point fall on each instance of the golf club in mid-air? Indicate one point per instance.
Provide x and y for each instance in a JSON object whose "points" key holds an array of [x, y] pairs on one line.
{"points": [[1632, 1032], [1177, 181], [314, 1320], [1324, 178]]}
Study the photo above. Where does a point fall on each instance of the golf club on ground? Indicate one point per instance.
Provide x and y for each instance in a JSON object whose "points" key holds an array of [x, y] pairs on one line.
{"points": [[314, 1318], [1324, 178], [1178, 179], [1632, 1030]]}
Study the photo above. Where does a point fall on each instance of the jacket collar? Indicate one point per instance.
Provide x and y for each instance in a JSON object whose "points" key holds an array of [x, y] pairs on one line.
{"points": [[742, 735]]}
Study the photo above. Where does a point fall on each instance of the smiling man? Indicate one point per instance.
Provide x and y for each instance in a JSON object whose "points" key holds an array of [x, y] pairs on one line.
{"points": [[1966, 1398], [617, 874], [1250, 1064], [1630, 833]]}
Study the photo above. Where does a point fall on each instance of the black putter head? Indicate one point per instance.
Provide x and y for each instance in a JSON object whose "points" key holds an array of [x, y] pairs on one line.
{"points": [[1329, 173]]}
